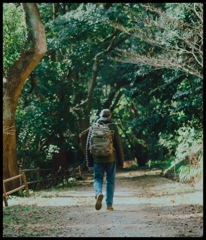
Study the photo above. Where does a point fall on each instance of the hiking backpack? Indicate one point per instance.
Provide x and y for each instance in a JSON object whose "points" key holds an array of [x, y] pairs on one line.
{"points": [[101, 141]]}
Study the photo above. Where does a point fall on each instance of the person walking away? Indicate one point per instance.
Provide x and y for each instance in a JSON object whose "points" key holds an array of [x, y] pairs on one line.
{"points": [[105, 164]]}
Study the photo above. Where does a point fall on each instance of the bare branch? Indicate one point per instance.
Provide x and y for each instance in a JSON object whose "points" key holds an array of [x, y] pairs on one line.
{"points": [[172, 43]]}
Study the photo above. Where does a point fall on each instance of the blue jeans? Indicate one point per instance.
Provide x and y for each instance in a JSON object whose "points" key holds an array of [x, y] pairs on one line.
{"points": [[110, 169]]}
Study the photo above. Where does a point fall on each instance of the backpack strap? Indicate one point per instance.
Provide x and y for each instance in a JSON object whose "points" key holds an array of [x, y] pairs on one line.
{"points": [[105, 123]]}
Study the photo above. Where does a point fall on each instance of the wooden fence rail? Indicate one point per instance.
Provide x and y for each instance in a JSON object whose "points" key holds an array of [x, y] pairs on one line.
{"points": [[38, 175], [60, 174], [22, 186]]}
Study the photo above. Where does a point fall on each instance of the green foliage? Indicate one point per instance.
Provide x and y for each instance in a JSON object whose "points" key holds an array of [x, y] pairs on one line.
{"points": [[190, 141], [186, 146], [148, 104], [50, 151], [190, 173], [31, 192], [44, 115], [46, 11], [14, 33], [190, 148]]}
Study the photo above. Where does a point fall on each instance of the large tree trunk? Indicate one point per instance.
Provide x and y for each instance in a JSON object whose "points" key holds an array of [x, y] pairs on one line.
{"points": [[14, 79]]}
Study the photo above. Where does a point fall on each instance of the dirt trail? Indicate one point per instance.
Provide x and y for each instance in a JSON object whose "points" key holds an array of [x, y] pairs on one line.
{"points": [[145, 205]]}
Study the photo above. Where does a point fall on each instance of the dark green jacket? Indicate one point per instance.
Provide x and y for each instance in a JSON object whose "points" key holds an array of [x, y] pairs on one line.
{"points": [[118, 153]]}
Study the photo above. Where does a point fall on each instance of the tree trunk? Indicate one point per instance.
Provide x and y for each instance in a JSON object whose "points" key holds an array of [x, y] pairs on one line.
{"points": [[14, 79]]}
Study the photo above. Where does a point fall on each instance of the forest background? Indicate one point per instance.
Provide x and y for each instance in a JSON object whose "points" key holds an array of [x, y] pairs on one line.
{"points": [[142, 61]]}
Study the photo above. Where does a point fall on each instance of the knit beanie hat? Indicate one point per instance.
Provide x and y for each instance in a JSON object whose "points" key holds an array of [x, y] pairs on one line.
{"points": [[105, 113]]}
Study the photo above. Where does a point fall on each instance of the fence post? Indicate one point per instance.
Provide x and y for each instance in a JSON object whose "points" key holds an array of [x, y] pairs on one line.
{"points": [[5, 196], [26, 185], [20, 182], [38, 177], [65, 175]]}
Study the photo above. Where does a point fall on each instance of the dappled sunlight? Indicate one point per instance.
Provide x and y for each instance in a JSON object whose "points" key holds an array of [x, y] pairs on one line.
{"points": [[143, 200], [133, 187]]}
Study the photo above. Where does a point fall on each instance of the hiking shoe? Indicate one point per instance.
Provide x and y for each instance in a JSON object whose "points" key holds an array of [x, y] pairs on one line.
{"points": [[110, 208], [98, 204]]}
